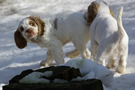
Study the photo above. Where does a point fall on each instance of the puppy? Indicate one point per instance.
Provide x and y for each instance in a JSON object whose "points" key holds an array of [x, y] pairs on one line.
{"points": [[108, 37], [53, 34]]}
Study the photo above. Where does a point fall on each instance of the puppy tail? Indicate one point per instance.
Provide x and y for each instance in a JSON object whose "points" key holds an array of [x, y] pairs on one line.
{"points": [[120, 25]]}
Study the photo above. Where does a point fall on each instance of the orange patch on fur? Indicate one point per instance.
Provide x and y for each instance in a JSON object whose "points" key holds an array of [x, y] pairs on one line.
{"points": [[40, 23], [93, 10]]}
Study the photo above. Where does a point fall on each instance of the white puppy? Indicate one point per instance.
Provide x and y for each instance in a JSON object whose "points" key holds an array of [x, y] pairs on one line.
{"points": [[108, 37], [53, 34]]}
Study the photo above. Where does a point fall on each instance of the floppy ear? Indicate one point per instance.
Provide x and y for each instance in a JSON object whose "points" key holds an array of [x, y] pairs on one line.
{"points": [[19, 40], [40, 23], [92, 11]]}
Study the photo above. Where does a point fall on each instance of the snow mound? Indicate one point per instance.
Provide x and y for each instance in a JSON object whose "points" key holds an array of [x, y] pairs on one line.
{"points": [[90, 69], [35, 77]]}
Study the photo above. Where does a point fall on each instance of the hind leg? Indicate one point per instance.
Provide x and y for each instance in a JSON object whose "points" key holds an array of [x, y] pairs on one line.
{"points": [[122, 64], [111, 62], [123, 55], [101, 60], [112, 59], [73, 54], [101, 56], [94, 50], [84, 51], [103, 53]]}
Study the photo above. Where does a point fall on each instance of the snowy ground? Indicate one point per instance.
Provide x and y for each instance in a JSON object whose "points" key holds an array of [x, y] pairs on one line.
{"points": [[13, 60]]}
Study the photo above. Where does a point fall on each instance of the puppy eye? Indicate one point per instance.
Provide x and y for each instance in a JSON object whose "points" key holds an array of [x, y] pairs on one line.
{"points": [[21, 29], [32, 23]]}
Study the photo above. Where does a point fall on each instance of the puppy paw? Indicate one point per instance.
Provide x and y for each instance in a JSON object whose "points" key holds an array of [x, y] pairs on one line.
{"points": [[44, 63], [73, 54], [120, 69], [111, 66], [88, 54]]}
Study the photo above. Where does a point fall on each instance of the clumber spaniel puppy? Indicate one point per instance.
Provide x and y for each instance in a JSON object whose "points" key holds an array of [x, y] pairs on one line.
{"points": [[53, 34], [108, 37]]}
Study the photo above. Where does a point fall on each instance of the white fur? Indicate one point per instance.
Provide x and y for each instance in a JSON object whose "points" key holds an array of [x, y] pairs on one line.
{"points": [[108, 39], [26, 26], [72, 28]]}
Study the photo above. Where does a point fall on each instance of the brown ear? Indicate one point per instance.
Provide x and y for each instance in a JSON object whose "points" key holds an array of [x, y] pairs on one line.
{"points": [[92, 11], [19, 40], [40, 23]]}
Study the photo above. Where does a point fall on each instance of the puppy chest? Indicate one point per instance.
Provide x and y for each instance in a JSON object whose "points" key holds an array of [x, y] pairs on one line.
{"points": [[43, 43]]}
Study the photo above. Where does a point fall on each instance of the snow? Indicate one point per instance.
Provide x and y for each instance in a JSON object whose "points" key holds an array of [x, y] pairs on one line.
{"points": [[90, 69], [35, 77], [13, 60]]}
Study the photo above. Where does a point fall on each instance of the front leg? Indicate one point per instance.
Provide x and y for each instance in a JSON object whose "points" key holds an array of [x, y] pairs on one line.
{"points": [[49, 59], [94, 49], [56, 48]]}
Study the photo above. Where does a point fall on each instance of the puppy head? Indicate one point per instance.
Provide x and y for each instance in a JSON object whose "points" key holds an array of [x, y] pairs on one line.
{"points": [[92, 11], [29, 28], [109, 9]]}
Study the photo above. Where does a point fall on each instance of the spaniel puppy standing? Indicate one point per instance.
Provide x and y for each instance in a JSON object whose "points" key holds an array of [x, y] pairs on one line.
{"points": [[108, 37], [53, 34]]}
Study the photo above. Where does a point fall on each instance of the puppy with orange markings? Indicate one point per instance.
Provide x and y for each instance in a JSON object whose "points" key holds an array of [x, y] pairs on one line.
{"points": [[53, 34], [108, 37]]}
